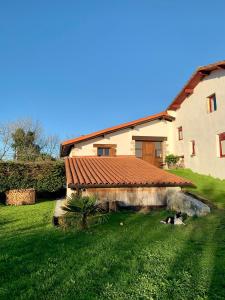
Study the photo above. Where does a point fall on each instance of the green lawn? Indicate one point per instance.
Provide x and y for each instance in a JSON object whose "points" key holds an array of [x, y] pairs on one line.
{"points": [[211, 188], [141, 260]]}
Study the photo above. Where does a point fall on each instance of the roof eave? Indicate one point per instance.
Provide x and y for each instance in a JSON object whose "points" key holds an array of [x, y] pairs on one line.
{"points": [[65, 148], [196, 77], [165, 184]]}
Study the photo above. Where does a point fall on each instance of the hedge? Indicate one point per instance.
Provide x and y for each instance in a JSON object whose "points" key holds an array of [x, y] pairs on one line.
{"points": [[42, 176]]}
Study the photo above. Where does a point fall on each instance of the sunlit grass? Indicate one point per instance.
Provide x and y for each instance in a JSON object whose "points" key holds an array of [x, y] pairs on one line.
{"points": [[142, 259], [211, 188]]}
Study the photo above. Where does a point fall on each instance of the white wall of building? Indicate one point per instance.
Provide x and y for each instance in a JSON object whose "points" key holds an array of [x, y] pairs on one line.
{"points": [[123, 139], [202, 127], [197, 124]]}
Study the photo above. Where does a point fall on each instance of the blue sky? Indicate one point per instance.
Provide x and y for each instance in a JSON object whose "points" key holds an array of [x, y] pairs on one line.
{"points": [[79, 66]]}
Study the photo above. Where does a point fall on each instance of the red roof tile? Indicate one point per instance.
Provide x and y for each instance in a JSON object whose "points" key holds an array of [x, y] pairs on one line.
{"points": [[196, 77], [94, 171], [65, 146]]}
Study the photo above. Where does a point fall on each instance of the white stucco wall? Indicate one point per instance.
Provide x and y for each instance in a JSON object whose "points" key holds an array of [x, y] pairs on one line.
{"points": [[197, 124], [123, 139], [133, 196], [202, 127]]}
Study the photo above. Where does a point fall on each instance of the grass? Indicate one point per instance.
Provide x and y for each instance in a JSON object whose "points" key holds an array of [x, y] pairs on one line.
{"points": [[211, 188], [142, 259]]}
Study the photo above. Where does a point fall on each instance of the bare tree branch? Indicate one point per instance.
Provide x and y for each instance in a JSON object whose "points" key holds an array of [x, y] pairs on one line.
{"points": [[5, 140], [49, 145]]}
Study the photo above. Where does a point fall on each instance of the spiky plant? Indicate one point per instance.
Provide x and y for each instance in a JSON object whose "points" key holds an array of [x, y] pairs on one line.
{"points": [[85, 209]]}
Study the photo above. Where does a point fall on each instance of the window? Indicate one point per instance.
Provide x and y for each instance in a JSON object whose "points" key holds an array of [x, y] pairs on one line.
{"points": [[158, 149], [180, 133], [211, 103], [193, 152], [222, 144], [138, 149], [103, 151]]}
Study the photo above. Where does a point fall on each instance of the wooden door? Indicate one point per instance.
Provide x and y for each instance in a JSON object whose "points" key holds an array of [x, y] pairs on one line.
{"points": [[149, 153]]}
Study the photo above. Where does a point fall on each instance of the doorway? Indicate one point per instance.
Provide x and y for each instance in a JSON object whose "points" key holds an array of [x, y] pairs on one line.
{"points": [[149, 151]]}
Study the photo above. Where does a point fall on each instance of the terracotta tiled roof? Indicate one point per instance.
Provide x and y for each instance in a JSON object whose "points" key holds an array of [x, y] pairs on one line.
{"points": [[196, 77], [66, 145], [94, 171]]}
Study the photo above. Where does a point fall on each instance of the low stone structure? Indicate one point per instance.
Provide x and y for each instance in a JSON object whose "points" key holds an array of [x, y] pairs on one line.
{"points": [[124, 180], [178, 201], [132, 196], [20, 197]]}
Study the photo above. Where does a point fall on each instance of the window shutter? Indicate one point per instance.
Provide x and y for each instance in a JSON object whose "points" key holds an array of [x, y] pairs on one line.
{"points": [[112, 151], [214, 103]]}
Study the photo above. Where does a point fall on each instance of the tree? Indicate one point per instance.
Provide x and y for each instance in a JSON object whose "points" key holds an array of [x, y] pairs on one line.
{"points": [[25, 140], [84, 208], [24, 145]]}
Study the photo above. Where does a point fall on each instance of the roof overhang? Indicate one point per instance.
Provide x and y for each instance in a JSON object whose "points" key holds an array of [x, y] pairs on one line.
{"points": [[66, 146], [196, 77], [89, 186]]}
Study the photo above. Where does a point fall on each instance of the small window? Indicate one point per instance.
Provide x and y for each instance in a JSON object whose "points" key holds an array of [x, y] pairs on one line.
{"points": [[138, 149], [193, 152], [103, 151], [222, 144], [158, 149], [211, 103], [180, 133]]}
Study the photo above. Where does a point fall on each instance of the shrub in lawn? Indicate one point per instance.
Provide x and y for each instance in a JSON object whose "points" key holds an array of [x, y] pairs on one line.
{"points": [[83, 211]]}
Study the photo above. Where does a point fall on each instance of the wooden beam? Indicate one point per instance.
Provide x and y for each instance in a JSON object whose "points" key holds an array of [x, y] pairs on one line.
{"points": [[221, 66], [105, 145], [204, 72], [149, 138], [188, 91], [175, 106]]}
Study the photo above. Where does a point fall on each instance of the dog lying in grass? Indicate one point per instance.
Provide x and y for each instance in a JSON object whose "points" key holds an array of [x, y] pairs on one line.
{"points": [[177, 219]]}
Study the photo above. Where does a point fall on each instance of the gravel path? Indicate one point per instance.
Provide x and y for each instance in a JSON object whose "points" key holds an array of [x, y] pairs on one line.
{"points": [[58, 208]]}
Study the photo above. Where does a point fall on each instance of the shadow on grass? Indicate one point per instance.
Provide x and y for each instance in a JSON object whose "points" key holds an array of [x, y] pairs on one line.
{"points": [[140, 259], [198, 269], [51, 261], [217, 285]]}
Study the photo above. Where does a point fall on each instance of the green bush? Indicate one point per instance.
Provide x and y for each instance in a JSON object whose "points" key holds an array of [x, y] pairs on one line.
{"points": [[171, 159], [85, 210], [42, 176]]}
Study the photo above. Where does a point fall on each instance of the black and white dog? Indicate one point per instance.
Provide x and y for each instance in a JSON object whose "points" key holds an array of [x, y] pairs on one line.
{"points": [[175, 220]]}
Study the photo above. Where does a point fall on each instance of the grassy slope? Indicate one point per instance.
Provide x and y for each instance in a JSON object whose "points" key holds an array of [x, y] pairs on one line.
{"points": [[206, 186], [141, 260]]}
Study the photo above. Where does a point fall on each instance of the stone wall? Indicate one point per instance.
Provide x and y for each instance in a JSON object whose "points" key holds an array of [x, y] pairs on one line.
{"points": [[133, 196]]}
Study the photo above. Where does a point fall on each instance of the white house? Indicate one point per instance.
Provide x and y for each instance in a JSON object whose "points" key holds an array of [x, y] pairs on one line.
{"points": [[199, 125], [192, 127]]}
